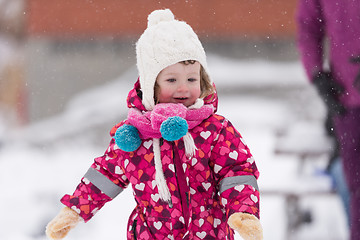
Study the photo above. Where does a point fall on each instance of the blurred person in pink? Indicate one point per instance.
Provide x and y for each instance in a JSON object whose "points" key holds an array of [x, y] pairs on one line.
{"points": [[338, 84]]}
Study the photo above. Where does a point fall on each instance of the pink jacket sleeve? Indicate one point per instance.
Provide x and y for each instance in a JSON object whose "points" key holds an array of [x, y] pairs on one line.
{"points": [[103, 181], [236, 172]]}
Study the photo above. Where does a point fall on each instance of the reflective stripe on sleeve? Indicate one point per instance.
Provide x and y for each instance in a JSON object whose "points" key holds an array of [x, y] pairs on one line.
{"points": [[103, 183], [230, 182]]}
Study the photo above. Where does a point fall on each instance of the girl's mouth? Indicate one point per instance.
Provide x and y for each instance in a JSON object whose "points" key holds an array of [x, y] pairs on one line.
{"points": [[181, 99]]}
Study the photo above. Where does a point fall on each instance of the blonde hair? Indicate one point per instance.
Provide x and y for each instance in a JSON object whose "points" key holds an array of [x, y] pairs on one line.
{"points": [[205, 84]]}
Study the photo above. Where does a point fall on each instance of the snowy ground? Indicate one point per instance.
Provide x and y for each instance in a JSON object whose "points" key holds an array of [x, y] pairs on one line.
{"points": [[264, 100]]}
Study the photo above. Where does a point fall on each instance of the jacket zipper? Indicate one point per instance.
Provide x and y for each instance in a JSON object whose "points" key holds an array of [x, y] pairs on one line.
{"points": [[184, 197]]}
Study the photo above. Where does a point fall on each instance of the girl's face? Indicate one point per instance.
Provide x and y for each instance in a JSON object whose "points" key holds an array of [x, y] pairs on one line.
{"points": [[179, 83]]}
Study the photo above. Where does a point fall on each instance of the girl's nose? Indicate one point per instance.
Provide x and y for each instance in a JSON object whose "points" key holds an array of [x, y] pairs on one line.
{"points": [[183, 87]]}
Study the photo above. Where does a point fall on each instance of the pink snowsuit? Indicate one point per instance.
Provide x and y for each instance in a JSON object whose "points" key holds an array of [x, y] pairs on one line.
{"points": [[220, 179]]}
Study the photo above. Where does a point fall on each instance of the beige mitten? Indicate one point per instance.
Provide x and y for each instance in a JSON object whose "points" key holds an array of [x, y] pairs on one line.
{"points": [[247, 225], [59, 227]]}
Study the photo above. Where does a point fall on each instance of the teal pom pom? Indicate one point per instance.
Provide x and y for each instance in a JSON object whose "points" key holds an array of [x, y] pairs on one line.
{"points": [[127, 138], [173, 128]]}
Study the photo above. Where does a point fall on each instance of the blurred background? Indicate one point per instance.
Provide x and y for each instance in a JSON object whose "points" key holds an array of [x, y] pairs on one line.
{"points": [[66, 68]]}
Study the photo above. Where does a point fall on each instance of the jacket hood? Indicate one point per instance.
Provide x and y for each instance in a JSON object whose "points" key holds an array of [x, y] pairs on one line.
{"points": [[134, 99]]}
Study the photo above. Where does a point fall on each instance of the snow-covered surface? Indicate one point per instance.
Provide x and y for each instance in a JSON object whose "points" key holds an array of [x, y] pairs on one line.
{"points": [[264, 100]]}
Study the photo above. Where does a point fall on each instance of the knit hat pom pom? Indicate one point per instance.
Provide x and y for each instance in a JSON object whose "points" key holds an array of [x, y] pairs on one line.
{"points": [[173, 128], [160, 16], [127, 138]]}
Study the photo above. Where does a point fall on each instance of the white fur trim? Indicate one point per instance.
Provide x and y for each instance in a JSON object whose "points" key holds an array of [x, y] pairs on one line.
{"points": [[198, 104]]}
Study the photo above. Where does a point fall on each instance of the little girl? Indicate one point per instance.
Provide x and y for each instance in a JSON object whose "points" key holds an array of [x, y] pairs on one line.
{"points": [[192, 174]]}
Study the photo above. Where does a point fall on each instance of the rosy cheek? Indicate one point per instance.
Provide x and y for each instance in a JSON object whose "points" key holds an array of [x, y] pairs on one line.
{"points": [[164, 97]]}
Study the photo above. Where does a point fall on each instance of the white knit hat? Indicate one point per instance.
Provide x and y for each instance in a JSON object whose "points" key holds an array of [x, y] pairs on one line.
{"points": [[166, 41]]}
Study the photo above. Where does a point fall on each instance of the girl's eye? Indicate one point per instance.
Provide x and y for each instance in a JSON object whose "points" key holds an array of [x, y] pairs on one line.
{"points": [[192, 80], [171, 80]]}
